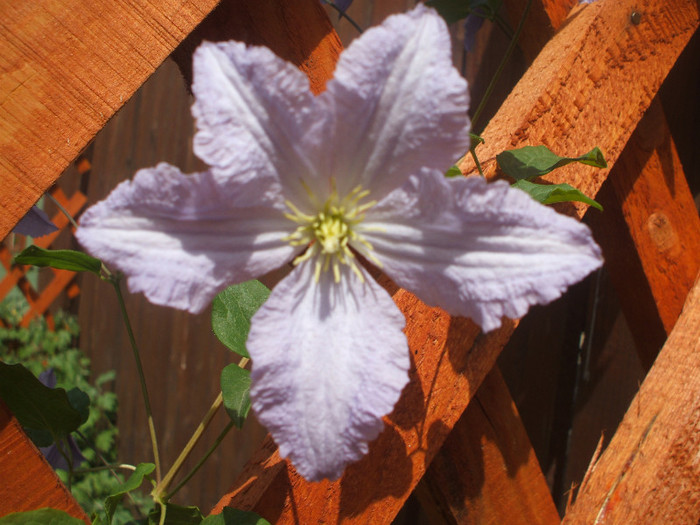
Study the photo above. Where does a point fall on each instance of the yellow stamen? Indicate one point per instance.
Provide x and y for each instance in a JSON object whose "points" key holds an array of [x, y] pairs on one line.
{"points": [[332, 232]]}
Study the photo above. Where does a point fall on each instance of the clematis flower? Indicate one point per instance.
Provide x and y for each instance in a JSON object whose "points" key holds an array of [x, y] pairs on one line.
{"points": [[320, 181]]}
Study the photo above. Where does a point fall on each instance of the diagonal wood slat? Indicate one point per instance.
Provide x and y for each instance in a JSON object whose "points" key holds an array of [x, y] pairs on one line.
{"points": [[22, 465], [656, 445], [486, 471], [569, 99], [66, 66]]}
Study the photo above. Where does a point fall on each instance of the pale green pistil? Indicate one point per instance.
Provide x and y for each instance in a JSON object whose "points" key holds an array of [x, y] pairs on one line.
{"points": [[331, 232]]}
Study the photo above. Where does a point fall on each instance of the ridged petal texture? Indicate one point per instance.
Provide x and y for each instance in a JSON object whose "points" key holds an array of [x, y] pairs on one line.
{"points": [[329, 355]]}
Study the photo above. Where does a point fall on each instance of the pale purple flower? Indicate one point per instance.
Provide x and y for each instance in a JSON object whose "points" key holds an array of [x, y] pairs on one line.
{"points": [[35, 223], [317, 181]]}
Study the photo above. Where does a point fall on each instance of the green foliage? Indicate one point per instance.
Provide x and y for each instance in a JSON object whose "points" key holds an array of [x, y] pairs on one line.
{"points": [[131, 484], [39, 348], [454, 171], [61, 259], [232, 310], [176, 515], [533, 161], [40, 517], [235, 387], [39, 407], [231, 516], [529, 162], [551, 193]]}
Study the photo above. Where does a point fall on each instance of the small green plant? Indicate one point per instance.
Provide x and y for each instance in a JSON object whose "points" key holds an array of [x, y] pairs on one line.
{"points": [[39, 349]]}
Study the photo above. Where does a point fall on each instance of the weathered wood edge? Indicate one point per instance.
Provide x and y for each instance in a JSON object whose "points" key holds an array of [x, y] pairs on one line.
{"points": [[537, 108], [28, 481], [66, 66], [649, 233], [650, 472], [487, 471]]}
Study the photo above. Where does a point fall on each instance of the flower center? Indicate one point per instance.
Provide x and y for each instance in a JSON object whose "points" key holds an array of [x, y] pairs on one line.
{"points": [[331, 233]]}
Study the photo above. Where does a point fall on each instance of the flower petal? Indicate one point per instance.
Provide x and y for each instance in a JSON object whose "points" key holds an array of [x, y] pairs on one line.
{"points": [[178, 239], [478, 250], [329, 361], [398, 105], [35, 223], [251, 108]]}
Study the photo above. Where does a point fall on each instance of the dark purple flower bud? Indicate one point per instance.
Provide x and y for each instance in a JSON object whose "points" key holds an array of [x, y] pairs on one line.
{"points": [[56, 459], [52, 453], [35, 224], [472, 24]]}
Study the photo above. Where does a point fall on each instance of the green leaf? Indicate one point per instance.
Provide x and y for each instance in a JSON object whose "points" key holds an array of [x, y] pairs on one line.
{"points": [[61, 259], [80, 401], [532, 161], [40, 517], [235, 387], [475, 140], [134, 482], [231, 516], [232, 310], [36, 406], [454, 171], [551, 193], [176, 515]]}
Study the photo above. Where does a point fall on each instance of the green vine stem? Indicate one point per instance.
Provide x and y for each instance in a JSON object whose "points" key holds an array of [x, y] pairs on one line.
{"points": [[142, 379], [501, 66], [160, 491], [63, 210], [342, 14], [201, 462]]}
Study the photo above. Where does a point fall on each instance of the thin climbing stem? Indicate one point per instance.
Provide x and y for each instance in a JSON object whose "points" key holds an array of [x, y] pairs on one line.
{"points": [[472, 150], [142, 377], [501, 66], [343, 15], [160, 491], [123, 466], [63, 210], [201, 462]]}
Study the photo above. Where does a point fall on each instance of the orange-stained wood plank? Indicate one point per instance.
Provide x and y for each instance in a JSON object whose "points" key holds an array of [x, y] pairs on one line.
{"points": [[28, 481], [66, 66], [561, 101], [591, 85], [650, 472], [37, 307], [650, 233], [299, 32], [486, 473]]}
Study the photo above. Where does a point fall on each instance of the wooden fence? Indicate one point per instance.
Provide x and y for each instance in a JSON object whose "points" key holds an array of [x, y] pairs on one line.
{"points": [[598, 57], [59, 281]]}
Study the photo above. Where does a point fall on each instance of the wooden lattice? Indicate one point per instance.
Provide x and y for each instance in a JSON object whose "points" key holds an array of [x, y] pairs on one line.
{"points": [[40, 301], [601, 57]]}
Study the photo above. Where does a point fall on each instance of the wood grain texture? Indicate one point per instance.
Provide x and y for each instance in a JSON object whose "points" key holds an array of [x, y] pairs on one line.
{"points": [[298, 32], [591, 85], [28, 481], [66, 66], [650, 233], [650, 472], [486, 472], [556, 101]]}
